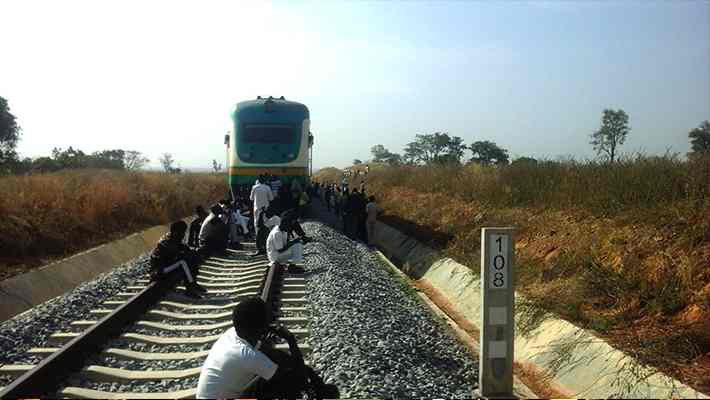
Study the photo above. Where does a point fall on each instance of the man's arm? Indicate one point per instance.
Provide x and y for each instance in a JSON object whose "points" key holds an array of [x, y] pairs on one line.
{"points": [[288, 245], [284, 333]]}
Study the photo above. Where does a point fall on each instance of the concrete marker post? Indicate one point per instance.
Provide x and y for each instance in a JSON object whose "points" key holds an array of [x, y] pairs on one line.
{"points": [[497, 333]]}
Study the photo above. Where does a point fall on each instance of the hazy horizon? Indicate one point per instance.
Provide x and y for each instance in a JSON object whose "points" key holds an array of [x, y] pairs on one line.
{"points": [[533, 77]]}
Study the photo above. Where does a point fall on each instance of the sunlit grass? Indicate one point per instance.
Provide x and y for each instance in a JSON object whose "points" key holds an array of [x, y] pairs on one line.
{"points": [[49, 214]]}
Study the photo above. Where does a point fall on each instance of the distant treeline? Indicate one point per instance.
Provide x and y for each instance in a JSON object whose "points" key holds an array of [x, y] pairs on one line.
{"points": [[71, 158], [442, 149]]}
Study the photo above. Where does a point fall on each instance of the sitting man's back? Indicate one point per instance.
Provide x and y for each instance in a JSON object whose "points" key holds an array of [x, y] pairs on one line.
{"points": [[171, 253], [214, 234], [235, 364], [231, 366]]}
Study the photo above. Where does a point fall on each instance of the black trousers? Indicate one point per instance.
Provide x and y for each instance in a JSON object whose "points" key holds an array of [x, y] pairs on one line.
{"points": [[261, 234], [292, 383]]}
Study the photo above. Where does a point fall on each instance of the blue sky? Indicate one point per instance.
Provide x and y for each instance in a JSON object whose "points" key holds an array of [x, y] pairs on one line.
{"points": [[532, 76]]}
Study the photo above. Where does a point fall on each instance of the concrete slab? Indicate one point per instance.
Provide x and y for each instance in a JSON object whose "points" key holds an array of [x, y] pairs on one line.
{"points": [[22, 292], [579, 362]]}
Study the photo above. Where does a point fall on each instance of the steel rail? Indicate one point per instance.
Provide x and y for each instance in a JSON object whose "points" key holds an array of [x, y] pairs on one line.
{"points": [[48, 375]]}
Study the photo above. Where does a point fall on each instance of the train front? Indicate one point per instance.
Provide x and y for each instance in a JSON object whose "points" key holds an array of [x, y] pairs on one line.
{"points": [[269, 136]]}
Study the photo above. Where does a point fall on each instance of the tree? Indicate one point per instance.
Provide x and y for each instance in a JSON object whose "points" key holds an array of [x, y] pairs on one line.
{"points": [[107, 159], [45, 164], [167, 161], [9, 136], [434, 148], [134, 160], [486, 153], [215, 166], [357, 162], [700, 138], [70, 158], [381, 155], [454, 151], [612, 134], [527, 161]]}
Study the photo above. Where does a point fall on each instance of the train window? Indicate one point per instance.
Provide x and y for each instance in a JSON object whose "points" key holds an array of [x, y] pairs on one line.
{"points": [[271, 134]]}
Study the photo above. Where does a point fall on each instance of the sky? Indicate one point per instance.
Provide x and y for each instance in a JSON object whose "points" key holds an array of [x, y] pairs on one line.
{"points": [[534, 77]]}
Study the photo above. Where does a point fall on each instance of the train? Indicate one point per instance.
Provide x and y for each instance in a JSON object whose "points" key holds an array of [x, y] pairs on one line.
{"points": [[268, 136]]}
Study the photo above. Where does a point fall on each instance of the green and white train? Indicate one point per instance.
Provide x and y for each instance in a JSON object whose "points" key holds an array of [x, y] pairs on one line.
{"points": [[268, 136]]}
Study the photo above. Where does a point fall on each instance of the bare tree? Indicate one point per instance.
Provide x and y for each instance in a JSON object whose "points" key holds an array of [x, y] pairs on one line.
{"points": [[167, 161], [216, 166], [134, 160]]}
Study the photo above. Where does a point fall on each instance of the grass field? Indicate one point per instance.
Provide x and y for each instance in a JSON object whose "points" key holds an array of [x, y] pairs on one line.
{"points": [[52, 215], [622, 249]]}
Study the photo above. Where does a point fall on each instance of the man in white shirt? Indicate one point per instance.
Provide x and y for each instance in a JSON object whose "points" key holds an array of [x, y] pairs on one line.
{"points": [[279, 249], [261, 196], [235, 363]]}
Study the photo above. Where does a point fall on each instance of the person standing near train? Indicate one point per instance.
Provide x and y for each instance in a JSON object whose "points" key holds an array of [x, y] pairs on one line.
{"points": [[261, 196], [373, 210]]}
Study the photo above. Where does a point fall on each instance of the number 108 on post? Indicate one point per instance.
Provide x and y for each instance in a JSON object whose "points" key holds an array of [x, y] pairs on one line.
{"points": [[498, 262]]}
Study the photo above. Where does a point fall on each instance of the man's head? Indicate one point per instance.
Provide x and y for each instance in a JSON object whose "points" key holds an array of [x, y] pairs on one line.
{"points": [[177, 230], [250, 318], [216, 209], [371, 199], [200, 211], [289, 215], [284, 225], [269, 211]]}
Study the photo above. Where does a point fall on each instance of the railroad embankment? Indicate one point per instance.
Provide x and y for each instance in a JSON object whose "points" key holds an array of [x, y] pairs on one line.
{"points": [[50, 216], [622, 250]]}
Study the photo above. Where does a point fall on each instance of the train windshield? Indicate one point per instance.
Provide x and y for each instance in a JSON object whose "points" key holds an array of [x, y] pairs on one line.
{"points": [[271, 134]]}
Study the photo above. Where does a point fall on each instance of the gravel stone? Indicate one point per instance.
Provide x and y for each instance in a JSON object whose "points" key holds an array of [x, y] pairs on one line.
{"points": [[33, 328], [370, 335]]}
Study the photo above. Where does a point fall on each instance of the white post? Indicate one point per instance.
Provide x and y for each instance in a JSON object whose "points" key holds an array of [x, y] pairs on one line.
{"points": [[495, 373]]}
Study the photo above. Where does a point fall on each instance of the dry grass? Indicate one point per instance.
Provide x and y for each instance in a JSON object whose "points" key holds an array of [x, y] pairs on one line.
{"points": [[601, 188], [622, 249], [56, 214]]}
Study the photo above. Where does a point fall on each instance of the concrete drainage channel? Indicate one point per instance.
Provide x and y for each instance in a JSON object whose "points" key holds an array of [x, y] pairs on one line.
{"points": [[580, 364]]}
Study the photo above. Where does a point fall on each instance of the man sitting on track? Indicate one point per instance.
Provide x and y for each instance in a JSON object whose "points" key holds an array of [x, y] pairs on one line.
{"points": [[267, 220], [193, 239], [214, 235], [280, 249], [237, 367], [171, 253], [229, 218]]}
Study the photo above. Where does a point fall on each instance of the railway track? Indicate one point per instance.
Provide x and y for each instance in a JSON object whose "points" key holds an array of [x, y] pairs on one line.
{"points": [[149, 342]]}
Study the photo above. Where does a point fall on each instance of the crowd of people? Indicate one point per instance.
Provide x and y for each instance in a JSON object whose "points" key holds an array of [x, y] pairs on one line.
{"points": [[357, 211], [238, 365]]}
